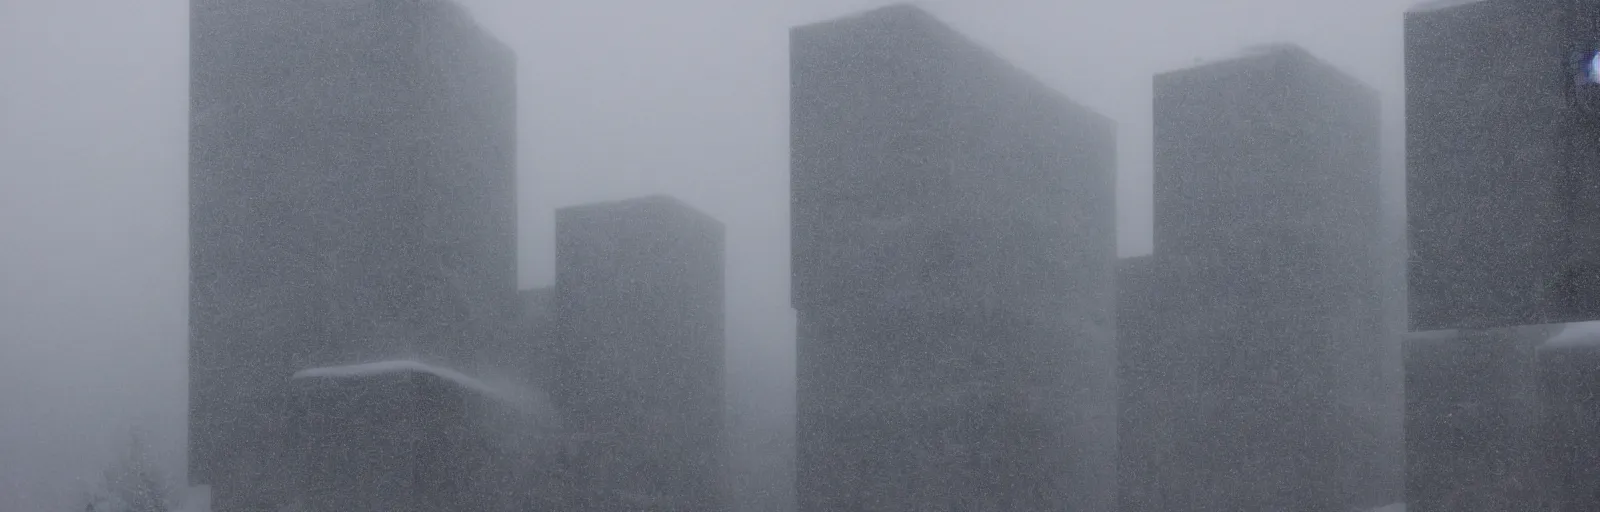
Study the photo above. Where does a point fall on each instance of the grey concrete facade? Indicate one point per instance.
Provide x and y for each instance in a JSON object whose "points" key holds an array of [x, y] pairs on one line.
{"points": [[639, 353], [530, 350], [1502, 419], [1156, 396], [400, 436], [763, 466], [1500, 155], [1254, 345], [1471, 419], [351, 198], [1569, 377], [953, 242]]}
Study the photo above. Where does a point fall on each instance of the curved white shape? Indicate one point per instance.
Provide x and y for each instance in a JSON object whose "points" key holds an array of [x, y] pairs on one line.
{"points": [[1576, 335], [402, 366], [1592, 70]]}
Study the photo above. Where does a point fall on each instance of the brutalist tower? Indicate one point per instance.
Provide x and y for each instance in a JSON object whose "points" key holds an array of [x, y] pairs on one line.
{"points": [[1254, 342], [1502, 127], [1472, 419], [639, 342], [1151, 412], [953, 242], [351, 198]]}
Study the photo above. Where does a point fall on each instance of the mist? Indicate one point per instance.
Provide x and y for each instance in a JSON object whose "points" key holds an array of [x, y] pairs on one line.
{"points": [[616, 99]]}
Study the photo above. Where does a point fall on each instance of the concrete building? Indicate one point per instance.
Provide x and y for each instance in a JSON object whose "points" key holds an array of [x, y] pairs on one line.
{"points": [[351, 199], [1471, 419], [1158, 395], [537, 310], [639, 305], [1254, 339], [1502, 419], [1569, 376], [953, 242], [1501, 120], [401, 436], [530, 350]]}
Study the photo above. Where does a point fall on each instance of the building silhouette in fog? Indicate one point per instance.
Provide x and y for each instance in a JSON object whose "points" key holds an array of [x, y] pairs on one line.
{"points": [[351, 198], [953, 242], [1151, 410], [1471, 419], [1501, 124], [1253, 339], [639, 305], [1569, 377], [402, 436], [529, 350]]}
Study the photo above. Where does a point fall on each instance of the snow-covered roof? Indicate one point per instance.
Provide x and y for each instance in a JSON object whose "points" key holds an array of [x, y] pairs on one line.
{"points": [[1439, 335], [655, 203], [402, 366], [1272, 48], [1576, 335], [1257, 50], [1435, 5]]}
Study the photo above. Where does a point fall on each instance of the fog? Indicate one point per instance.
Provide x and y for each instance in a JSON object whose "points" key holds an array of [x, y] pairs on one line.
{"points": [[617, 99]]}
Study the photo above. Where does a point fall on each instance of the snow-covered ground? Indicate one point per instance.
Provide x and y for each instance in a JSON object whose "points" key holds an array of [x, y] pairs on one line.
{"points": [[1576, 334]]}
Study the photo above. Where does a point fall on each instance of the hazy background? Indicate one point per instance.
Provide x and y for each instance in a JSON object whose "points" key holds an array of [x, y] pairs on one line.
{"points": [[618, 99]]}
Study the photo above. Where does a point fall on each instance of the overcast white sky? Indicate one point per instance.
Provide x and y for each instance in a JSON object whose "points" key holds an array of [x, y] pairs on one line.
{"points": [[618, 99]]}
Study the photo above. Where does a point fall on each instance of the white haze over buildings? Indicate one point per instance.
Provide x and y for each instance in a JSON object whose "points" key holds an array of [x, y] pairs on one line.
{"points": [[617, 99]]}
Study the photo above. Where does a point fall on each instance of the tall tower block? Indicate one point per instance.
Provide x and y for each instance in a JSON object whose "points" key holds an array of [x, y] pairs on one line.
{"points": [[639, 354], [953, 241], [1253, 342], [1502, 143], [352, 167]]}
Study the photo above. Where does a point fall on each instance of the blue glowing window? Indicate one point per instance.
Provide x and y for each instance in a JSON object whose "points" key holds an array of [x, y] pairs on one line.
{"points": [[1592, 68]]}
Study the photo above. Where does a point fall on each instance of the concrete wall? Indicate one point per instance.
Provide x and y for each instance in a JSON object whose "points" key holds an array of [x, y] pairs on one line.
{"points": [[350, 165], [410, 441], [1499, 158], [1568, 414], [1471, 419], [953, 240], [1158, 389], [639, 301], [530, 351], [1266, 303]]}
